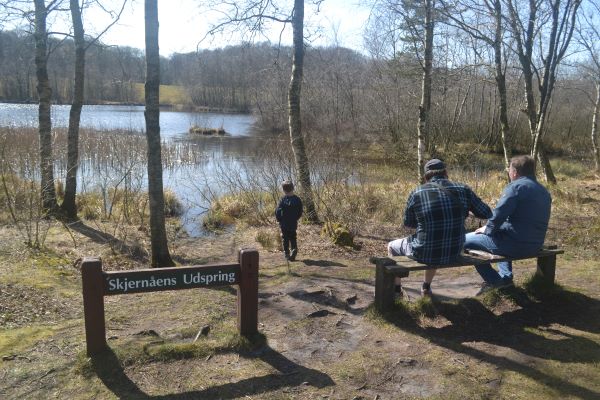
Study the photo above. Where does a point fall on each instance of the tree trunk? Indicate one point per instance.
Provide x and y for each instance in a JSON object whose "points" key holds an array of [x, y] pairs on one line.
{"points": [[158, 234], [425, 106], [544, 161], [595, 128], [48, 193], [68, 205], [501, 86], [535, 116], [295, 124]]}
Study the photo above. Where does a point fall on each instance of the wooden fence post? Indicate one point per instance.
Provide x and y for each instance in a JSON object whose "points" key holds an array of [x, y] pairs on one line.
{"points": [[247, 299], [93, 305]]}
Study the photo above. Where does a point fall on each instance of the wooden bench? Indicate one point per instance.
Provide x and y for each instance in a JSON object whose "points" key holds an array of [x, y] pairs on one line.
{"points": [[387, 268]]}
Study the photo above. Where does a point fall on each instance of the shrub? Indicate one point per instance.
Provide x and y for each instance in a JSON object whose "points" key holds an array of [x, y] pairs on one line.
{"points": [[268, 239], [253, 207], [89, 205], [234, 207], [215, 220], [173, 207], [339, 234]]}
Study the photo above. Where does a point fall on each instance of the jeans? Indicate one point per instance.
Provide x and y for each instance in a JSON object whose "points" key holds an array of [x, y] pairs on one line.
{"points": [[496, 245]]}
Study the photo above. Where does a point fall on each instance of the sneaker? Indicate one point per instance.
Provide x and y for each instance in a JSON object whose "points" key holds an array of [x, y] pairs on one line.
{"points": [[293, 255], [426, 292]]}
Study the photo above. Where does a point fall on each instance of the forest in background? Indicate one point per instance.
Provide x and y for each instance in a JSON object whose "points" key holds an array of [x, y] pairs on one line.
{"points": [[346, 95]]}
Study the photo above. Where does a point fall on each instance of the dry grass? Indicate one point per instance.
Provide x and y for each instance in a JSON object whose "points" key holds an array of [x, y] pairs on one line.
{"points": [[169, 94]]}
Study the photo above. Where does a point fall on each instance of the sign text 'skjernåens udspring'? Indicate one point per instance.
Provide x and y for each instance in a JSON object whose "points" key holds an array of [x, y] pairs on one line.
{"points": [[122, 282]]}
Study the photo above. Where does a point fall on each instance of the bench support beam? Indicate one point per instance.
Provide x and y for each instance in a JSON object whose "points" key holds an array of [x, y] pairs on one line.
{"points": [[384, 283], [546, 267]]}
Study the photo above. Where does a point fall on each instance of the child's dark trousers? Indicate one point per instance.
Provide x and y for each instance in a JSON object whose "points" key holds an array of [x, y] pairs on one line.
{"points": [[290, 245]]}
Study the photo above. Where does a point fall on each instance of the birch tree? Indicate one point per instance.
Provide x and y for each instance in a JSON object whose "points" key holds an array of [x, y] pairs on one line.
{"points": [[68, 205], [158, 234], [484, 21], [549, 24], [253, 17], [588, 36], [416, 21], [48, 192]]}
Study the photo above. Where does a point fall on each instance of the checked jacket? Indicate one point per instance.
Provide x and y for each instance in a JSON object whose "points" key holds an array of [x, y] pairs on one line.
{"points": [[438, 210]]}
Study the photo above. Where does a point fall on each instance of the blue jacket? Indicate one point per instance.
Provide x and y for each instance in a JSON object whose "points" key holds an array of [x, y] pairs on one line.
{"points": [[522, 214], [288, 212]]}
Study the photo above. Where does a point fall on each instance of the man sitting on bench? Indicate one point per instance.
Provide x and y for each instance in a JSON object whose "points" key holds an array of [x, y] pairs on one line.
{"points": [[518, 226], [437, 209]]}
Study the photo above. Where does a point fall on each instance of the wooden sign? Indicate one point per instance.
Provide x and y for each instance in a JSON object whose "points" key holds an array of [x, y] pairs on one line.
{"points": [[152, 280], [96, 284]]}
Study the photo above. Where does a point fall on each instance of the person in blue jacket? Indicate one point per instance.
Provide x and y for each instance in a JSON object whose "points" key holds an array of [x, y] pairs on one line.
{"points": [[518, 225], [288, 213]]}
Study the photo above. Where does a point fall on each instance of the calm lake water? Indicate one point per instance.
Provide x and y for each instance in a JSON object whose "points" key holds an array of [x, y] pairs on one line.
{"points": [[172, 123], [235, 154]]}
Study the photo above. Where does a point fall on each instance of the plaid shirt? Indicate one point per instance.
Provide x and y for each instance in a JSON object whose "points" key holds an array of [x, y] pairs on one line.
{"points": [[438, 215]]}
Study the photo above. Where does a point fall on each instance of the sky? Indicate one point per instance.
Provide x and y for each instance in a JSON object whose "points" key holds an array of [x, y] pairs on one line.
{"points": [[183, 24]]}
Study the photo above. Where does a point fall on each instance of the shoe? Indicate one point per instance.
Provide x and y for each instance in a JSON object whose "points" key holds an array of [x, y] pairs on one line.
{"points": [[426, 292], [287, 256], [293, 255]]}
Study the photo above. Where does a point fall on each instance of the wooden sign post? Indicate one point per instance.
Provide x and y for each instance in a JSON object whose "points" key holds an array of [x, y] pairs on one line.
{"points": [[96, 284]]}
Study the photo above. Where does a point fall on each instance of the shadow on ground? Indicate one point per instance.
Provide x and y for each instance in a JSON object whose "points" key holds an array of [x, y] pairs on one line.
{"points": [[322, 263], [112, 374], [530, 329], [135, 252]]}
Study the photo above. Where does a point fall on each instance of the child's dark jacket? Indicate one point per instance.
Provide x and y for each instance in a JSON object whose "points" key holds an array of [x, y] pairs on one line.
{"points": [[288, 212]]}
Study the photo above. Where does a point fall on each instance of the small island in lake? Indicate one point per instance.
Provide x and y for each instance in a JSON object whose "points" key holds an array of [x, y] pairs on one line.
{"points": [[207, 131]]}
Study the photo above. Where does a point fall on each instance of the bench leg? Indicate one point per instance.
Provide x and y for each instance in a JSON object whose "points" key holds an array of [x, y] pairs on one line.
{"points": [[546, 267], [384, 288]]}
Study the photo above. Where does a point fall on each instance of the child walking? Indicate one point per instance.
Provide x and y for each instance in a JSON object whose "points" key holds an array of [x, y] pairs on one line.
{"points": [[288, 213]]}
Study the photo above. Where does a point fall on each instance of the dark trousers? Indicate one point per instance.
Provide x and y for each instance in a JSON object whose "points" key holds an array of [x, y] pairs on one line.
{"points": [[288, 239]]}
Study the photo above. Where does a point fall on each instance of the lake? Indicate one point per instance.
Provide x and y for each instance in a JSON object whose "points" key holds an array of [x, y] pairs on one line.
{"points": [[233, 157], [173, 124]]}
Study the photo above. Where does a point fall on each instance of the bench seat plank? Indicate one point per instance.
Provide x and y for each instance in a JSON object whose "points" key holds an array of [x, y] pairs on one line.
{"points": [[465, 260]]}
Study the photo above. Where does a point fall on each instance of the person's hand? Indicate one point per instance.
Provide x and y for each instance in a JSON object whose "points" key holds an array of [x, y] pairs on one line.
{"points": [[480, 230]]}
